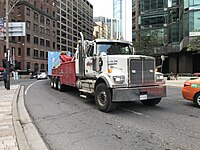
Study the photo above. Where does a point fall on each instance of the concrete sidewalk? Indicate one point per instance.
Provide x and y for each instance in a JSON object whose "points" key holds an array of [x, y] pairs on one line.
{"points": [[17, 131], [7, 133], [179, 82]]}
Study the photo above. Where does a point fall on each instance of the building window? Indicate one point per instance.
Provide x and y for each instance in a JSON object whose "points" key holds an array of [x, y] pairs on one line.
{"points": [[54, 23], [13, 39], [54, 14], [28, 66], [35, 40], [28, 52], [54, 4], [42, 42], [42, 54], [42, 19], [35, 16], [54, 34], [35, 28], [35, 3], [28, 38], [35, 53], [27, 11], [47, 43], [46, 55], [19, 12], [19, 39], [28, 24], [47, 21], [42, 30], [54, 45], [42, 66], [47, 32], [19, 51]]}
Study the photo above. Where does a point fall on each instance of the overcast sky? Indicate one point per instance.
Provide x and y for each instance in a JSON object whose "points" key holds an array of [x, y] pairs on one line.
{"points": [[105, 8], [102, 8]]}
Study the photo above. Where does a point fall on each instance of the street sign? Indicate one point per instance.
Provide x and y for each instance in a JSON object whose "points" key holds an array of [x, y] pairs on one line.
{"points": [[15, 29]]}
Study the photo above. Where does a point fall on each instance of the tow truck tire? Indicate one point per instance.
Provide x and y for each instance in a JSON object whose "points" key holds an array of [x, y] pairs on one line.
{"points": [[60, 86], [55, 83], [103, 98], [151, 102], [51, 82]]}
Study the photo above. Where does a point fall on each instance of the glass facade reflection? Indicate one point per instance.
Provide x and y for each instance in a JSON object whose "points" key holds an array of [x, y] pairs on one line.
{"points": [[117, 15], [176, 23]]}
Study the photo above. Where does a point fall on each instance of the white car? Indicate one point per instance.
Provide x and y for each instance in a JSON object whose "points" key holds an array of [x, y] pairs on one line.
{"points": [[42, 75]]}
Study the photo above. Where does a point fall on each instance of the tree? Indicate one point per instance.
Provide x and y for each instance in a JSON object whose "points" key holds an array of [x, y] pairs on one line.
{"points": [[194, 46], [148, 43]]}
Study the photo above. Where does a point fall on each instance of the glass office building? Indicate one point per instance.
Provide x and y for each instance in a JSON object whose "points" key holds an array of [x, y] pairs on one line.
{"points": [[176, 24], [117, 16]]}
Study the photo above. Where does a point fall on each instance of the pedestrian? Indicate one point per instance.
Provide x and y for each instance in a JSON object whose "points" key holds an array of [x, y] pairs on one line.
{"points": [[5, 78]]}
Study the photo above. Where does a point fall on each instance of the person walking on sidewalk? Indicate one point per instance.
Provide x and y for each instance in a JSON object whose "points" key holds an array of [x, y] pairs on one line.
{"points": [[5, 78]]}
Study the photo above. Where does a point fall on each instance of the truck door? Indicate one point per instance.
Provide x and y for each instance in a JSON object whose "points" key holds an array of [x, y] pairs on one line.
{"points": [[89, 70]]}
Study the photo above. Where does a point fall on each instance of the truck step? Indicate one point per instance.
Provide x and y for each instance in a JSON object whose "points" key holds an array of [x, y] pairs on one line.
{"points": [[85, 91], [83, 96]]}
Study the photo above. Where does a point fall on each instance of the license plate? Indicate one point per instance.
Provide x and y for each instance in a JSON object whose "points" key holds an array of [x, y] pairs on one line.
{"points": [[143, 97]]}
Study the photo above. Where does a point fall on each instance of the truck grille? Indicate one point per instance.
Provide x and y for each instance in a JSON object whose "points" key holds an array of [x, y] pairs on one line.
{"points": [[141, 71]]}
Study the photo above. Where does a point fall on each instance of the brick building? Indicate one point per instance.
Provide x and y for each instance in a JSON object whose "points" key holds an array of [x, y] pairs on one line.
{"points": [[30, 52]]}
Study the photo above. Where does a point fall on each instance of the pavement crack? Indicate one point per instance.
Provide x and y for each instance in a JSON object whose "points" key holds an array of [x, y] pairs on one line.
{"points": [[183, 132]]}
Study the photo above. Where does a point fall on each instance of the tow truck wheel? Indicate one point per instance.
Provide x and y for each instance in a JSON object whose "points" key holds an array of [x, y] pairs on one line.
{"points": [[60, 86], [55, 84], [51, 82], [151, 102], [103, 98]]}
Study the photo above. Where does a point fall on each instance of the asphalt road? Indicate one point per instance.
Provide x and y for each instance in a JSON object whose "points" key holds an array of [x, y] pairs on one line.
{"points": [[68, 122]]}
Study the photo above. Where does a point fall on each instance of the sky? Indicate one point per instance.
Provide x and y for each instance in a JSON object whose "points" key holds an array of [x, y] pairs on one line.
{"points": [[104, 8]]}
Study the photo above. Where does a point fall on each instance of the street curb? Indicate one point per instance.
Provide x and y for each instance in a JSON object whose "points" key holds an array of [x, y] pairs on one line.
{"points": [[29, 137], [20, 136]]}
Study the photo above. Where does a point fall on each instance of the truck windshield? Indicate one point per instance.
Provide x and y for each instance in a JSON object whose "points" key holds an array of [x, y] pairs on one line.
{"points": [[114, 48]]}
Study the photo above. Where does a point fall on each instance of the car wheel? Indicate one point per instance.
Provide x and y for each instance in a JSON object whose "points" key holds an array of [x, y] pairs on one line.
{"points": [[60, 86], [151, 102], [103, 98], [197, 99]]}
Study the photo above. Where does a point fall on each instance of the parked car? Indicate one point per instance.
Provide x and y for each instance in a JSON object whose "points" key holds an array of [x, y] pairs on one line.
{"points": [[191, 91], [42, 75]]}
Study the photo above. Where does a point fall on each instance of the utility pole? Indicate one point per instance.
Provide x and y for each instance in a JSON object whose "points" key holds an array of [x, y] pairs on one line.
{"points": [[7, 48]]}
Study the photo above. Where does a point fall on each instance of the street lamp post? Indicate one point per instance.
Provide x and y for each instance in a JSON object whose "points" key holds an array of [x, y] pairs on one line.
{"points": [[7, 43], [7, 49]]}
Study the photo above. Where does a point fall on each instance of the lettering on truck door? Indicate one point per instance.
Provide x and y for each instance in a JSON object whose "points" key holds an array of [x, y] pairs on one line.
{"points": [[89, 61]]}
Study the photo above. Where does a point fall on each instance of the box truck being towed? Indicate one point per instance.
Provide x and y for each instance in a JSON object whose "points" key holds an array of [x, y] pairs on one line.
{"points": [[109, 71]]}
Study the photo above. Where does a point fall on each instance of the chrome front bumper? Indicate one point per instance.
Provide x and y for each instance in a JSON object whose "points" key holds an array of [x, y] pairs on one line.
{"points": [[138, 93]]}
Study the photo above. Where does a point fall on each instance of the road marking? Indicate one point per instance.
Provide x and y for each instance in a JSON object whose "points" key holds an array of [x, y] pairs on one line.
{"points": [[26, 91], [134, 112]]}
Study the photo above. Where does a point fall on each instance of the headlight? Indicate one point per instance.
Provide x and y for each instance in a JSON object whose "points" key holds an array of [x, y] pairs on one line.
{"points": [[159, 77], [119, 79]]}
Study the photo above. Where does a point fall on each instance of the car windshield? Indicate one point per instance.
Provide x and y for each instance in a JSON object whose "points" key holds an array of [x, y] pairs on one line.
{"points": [[114, 48]]}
